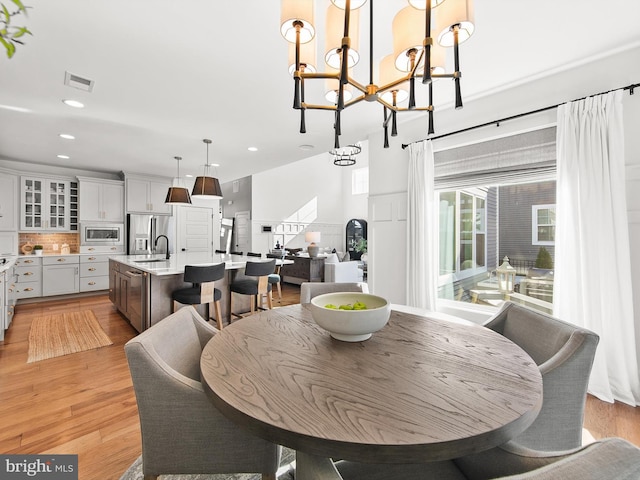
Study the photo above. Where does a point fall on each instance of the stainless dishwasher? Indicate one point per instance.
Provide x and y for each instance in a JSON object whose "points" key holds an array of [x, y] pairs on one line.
{"points": [[136, 298]]}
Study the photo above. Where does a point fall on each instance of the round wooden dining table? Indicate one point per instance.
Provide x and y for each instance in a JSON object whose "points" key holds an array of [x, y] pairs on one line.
{"points": [[419, 390]]}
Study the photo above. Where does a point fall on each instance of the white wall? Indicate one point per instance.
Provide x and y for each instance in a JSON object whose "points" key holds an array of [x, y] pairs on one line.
{"points": [[306, 191], [354, 206]]}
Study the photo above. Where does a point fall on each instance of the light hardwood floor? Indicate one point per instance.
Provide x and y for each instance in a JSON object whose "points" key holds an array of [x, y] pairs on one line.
{"points": [[84, 403]]}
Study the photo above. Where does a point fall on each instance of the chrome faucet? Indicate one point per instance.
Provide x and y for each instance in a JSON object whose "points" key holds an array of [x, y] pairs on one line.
{"points": [[167, 239]]}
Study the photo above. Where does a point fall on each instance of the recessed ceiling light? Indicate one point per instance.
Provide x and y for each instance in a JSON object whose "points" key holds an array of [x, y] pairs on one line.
{"points": [[214, 164], [66, 136], [64, 157], [189, 175], [306, 147], [253, 149], [73, 103]]}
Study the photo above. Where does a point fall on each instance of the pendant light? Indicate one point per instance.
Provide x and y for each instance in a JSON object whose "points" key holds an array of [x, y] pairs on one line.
{"points": [[178, 195], [205, 185]]}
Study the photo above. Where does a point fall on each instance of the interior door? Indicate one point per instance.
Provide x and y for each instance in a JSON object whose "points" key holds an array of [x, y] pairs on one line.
{"points": [[195, 233], [242, 227]]}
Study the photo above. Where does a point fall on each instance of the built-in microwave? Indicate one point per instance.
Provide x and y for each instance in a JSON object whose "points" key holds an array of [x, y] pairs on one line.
{"points": [[102, 234]]}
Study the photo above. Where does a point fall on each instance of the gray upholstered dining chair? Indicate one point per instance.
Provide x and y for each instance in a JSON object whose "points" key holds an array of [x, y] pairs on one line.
{"points": [[308, 290], [610, 458], [182, 432], [564, 353]]}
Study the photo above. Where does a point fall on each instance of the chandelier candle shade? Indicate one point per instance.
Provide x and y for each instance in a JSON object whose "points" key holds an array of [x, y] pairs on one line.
{"points": [[414, 55], [177, 194], [312, 238], [205, 185]]}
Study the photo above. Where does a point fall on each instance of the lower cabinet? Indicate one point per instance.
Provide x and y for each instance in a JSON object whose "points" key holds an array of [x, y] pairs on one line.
{"points": [[94, 272], [28, 274], [60, 275], [119, 286], [47, 275]]}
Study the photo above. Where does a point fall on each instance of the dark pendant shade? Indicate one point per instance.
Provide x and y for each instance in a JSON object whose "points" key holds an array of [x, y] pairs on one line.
{"points": [[207, 187], [178, 195]]}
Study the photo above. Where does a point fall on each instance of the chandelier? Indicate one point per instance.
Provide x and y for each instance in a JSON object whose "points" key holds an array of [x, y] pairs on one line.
{"points": [[345, 156], [415, 56]]}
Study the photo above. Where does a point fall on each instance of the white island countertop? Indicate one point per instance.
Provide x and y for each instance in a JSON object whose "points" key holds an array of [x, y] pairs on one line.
{"points": [[159, 265]]}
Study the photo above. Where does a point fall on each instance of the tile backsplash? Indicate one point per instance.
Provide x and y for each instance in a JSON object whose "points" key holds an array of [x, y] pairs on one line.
{"points": [[49, 240]]}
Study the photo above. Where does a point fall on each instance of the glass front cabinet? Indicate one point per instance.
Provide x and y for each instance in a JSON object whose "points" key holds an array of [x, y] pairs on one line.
{"points": [[44, 204]]}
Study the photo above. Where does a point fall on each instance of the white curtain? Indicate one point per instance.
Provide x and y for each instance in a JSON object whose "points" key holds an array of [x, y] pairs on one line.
{"points": [[593, 275], [422, 265]]}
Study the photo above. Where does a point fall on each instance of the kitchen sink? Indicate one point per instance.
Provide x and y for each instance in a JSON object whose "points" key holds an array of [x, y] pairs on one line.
{"points": [[151, 260]]}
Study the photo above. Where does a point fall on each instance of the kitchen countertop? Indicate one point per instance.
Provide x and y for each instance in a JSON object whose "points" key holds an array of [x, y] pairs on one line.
{"points": [[76, 254], [158, 265], [11, 260]]}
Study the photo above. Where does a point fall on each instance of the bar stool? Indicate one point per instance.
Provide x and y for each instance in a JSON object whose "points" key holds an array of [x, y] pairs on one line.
{"points": [[202, 290], [274, 278], [257, 287]]}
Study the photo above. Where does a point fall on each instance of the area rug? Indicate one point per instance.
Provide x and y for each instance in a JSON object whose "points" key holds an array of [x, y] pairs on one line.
{"points": [[285, 472], [65, 333]]}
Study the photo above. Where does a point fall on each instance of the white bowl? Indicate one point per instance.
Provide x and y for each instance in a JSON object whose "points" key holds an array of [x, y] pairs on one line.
{"points": [[350, 325]]}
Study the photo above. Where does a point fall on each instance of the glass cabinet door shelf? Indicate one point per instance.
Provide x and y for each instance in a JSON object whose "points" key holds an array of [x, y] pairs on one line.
{"points": [[32, 203], [44, 204]]}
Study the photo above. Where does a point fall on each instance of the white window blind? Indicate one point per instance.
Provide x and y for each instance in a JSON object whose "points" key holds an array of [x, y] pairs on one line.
{"points": [[520, 158]]}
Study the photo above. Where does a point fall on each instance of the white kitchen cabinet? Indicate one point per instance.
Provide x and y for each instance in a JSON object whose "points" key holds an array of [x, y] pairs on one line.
{"points": [[44, 204], [94, 272], [60, 275], [9, 243], [8, 202], [147, 196], [101, 200], [28, 274]]}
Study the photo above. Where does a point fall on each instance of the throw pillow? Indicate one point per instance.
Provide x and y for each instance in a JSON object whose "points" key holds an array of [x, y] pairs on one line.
{"points": [[332, 258]]}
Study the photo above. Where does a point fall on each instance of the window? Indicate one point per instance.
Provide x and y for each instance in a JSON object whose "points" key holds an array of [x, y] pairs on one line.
{"points": [[543, 224], [462, 232], [496, 199], [360, 181], [480, 226]]}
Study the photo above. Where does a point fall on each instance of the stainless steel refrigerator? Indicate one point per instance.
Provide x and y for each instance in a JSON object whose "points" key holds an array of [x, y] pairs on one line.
{"points": [[143, 230]]}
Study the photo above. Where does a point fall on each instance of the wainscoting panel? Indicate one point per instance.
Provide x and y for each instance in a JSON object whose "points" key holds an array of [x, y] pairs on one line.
{"points": [[387, 246]]}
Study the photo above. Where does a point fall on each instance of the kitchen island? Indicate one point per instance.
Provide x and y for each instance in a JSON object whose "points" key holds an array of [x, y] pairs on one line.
{"points": [[140, 286]]}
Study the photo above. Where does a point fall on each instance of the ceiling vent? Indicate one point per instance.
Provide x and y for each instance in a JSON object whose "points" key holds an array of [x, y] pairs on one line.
{"points": [[80, 83]]}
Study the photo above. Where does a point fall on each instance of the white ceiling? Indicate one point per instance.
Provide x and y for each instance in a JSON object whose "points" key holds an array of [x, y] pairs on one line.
{"points": [[170, 73]]}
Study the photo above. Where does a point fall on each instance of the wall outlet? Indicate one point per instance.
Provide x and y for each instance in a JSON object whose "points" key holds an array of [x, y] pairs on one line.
{"points": [[55, 246]]}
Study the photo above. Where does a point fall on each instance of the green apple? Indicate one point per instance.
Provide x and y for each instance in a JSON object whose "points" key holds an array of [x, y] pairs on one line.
{"points": [[346, 307], [330, 305]]}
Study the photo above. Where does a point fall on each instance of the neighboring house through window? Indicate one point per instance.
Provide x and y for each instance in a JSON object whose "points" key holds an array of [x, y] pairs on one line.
{"points": [[462, 232], [486, 193], [543, 224]]}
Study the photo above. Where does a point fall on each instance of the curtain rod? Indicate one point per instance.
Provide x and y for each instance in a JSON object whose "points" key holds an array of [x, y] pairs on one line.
{"points": [[513, 117]]}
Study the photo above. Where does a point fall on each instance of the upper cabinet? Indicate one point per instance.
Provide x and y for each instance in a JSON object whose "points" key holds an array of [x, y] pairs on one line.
{"points": [[45, 204], [101, 200], [8, 206], [147, 195]]}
